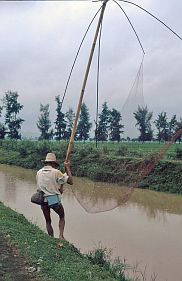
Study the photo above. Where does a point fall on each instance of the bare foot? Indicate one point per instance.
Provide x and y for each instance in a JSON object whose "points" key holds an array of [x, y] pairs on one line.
{"points": [[62, 238]]}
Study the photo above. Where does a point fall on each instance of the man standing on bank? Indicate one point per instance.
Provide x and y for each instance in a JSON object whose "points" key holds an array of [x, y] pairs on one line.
{"points": [[51, 180]]}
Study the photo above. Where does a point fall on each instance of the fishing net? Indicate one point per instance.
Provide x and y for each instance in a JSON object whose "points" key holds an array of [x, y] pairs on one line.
{"points": [[132, 166], [99, 197], [96, 197], [133, 163], [134, 99]]}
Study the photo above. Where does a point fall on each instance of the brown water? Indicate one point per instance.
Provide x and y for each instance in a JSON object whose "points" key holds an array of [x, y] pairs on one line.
{"points": [[146, 230]]}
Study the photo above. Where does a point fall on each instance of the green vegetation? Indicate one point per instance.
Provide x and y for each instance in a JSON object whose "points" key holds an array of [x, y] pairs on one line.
{"points": [[103, 123], [50, 261], [44, 123], [110, 162], [102, 257], [12, 120], [108, 123], [84, 126], [143, 118], [60, 123]]}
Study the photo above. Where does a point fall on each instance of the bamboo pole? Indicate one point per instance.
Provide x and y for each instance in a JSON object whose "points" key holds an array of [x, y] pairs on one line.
{"points": [[68, 154]]}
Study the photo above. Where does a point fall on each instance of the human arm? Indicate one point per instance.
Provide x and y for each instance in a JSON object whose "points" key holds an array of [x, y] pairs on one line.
{"points": [[61, 189]]}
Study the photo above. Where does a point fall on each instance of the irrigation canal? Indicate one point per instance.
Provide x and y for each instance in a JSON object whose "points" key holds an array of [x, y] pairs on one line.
{"points": [[147, 230]]}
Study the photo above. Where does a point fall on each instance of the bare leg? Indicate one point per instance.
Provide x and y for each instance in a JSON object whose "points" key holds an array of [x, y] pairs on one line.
{"points": [[60, 211], [61, 228], [46, 212]]}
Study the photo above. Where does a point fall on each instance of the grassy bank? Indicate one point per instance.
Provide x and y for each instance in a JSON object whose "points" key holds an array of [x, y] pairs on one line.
{"points": [[119, 163], [49, 261]]}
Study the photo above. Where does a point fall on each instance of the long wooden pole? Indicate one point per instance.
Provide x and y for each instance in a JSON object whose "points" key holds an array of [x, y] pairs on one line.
{"points": [[84, 83]]}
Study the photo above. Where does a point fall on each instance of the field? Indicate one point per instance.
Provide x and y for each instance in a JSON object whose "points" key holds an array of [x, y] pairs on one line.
{"points": [[121, 149], [133, 148], [149, 165]]}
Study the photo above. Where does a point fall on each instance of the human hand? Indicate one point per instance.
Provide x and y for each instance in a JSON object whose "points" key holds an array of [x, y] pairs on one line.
{"points": [[67, 164]]}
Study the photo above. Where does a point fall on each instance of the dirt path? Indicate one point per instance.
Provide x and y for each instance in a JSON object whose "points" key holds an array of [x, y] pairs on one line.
{"points": [[13, 267]]}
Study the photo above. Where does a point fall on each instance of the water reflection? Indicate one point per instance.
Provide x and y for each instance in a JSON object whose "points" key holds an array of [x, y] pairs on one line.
{"points": [[13, 179], [96, 197], [155, 204], [18, 173]]}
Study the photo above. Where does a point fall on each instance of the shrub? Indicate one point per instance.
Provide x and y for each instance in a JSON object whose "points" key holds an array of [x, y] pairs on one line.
{"points": [[102, 257], [178, 153]]}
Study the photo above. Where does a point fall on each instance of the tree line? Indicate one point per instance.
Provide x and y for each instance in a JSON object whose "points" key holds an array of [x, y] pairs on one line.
{"points": [[108, 127]]}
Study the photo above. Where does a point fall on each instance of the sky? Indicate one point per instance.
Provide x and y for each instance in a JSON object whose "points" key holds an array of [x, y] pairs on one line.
{"points": [[39, 41]]}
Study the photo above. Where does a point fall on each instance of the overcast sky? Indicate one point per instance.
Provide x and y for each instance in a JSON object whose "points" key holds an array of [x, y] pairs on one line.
{"points": [[39, 41]]}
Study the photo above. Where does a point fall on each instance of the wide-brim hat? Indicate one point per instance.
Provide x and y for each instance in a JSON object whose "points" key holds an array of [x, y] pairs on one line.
{"points": [[50, 157]]}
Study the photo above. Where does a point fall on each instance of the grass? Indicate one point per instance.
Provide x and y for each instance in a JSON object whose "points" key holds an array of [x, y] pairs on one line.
{"points": [[41, 252], [50, 262], [119, 269], [111, 162], [102, 256]]}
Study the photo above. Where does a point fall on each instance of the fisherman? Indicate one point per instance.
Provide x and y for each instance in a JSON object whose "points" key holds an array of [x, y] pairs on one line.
{"points": [[51, 180]]}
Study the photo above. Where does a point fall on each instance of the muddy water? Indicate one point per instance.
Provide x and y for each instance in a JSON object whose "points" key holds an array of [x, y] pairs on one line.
{"points": [[147, 230]]}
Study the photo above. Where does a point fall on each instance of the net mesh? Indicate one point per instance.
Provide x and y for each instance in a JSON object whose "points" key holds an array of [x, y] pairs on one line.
{"points": [[96, 197], [100, 197], [134, 99]]}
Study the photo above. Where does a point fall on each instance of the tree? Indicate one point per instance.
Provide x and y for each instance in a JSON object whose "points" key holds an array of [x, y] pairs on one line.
{"points": [[12, 107], [115, 125], [60, 123], [179, 127], [173, 124], [70, 116], [2, 131], [143, 117], [84, 126], [2, 127], [103, 124], [44, 123], [162, 126]]}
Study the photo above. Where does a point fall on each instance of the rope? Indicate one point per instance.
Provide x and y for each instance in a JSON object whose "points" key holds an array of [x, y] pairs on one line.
{"points": [[129, 2], [98, 68], [131, 26], [97, 88], [69, 77]]}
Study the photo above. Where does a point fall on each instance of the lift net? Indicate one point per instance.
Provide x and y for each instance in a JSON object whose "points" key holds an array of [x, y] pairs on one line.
{"points": [[100, 197], [96, 197], [134, 99]]}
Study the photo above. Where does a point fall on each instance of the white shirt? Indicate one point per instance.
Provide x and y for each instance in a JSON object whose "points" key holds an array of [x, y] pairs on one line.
{"points": [[49, 180]]}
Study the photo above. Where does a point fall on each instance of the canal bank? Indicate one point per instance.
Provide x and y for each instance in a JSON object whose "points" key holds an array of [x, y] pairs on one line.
{"points": [[27, 253], [120, 165], [145, 231]]}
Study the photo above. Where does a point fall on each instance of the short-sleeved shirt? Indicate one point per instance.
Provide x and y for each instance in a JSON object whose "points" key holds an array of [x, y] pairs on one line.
{"points": [[49, 180]]}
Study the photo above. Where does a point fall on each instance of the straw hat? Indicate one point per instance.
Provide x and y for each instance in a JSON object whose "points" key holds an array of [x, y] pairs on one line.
{"points": [[50, 157]]}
